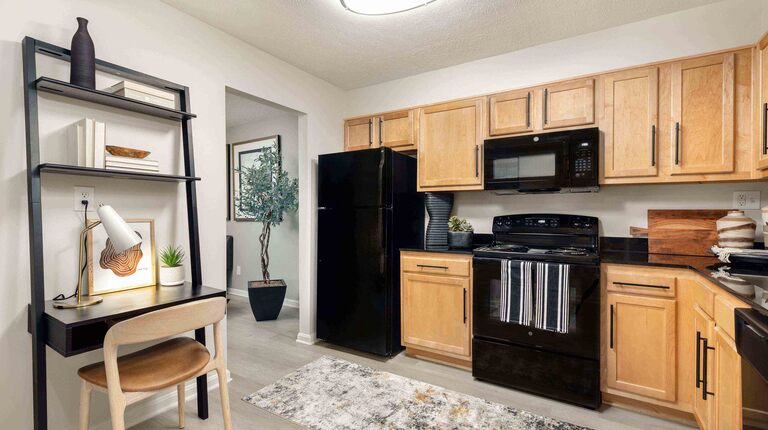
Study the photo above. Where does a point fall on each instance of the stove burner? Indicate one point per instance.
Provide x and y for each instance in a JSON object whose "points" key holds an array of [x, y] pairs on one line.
{"points": [[568, 250], [509, 247]]}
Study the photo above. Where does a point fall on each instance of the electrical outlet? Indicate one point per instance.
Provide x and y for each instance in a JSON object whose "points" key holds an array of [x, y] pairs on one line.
{"points": [[237, 271], [746, 199], [84, 193]]}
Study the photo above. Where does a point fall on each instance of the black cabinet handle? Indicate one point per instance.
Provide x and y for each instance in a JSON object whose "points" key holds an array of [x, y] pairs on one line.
{"points": [[427, 266], [381, 123], [698, 359], [370, 132], [546, 94], [677, 143], [528, 110], [611, 332], [631, 284], [653, 145], [477, 161], [765, 128], [465, 305], [705, 378]]}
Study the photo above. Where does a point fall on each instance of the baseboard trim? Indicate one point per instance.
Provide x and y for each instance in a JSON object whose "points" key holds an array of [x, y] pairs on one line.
{"points": [[288, 303], [306, 339]]}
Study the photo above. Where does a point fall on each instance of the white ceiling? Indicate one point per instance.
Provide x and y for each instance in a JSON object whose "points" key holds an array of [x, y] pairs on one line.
{"points": [[242, 109], [353, 51]]}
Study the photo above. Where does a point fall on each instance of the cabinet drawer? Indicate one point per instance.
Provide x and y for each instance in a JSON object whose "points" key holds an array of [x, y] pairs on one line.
{"points": [[437, 264], [704, 296], [640, 281]]}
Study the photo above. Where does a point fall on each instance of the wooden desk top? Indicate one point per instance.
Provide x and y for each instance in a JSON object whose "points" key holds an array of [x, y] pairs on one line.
{"points": [[74, 331]]}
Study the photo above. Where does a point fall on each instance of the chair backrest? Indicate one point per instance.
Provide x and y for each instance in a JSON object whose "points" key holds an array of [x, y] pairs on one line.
{"points": [[167, 322]]}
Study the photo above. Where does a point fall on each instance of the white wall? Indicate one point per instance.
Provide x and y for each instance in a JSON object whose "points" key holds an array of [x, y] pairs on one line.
{"points": [[154, 38], [284, 243], [717, 26]]}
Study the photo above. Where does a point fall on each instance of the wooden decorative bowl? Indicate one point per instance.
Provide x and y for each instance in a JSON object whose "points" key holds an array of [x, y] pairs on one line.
{"points": [[127, 152]]}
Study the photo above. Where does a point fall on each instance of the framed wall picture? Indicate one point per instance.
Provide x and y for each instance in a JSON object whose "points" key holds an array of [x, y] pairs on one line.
{"points": [[110, 271], [247, 153]]}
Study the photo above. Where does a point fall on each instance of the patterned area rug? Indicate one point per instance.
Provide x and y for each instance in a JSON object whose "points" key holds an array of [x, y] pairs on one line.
{"points": [[332, 394]]}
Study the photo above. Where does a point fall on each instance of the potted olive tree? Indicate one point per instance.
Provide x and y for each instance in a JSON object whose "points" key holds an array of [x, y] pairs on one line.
{"points": [[266, 193], [460, 233]]}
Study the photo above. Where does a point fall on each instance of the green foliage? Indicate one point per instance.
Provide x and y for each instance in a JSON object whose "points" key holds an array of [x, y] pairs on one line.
{"points": [[172, 256], [266, 191], [457, 224]]}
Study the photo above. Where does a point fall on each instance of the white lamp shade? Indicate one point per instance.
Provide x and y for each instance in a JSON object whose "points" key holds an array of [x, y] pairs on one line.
{"points": [[119, 232]]}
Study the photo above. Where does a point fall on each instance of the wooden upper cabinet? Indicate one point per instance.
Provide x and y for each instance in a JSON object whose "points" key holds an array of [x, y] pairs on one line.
{"points": [[568, 104], [762, 60], [450, 146], [703, 406], [641, 346], [510, 112], [359, 134], [398, 130], [702, 126], [630, 124]]}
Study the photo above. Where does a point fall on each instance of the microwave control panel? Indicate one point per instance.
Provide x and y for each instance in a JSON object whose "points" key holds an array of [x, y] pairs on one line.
{"points": [[583, 162]]}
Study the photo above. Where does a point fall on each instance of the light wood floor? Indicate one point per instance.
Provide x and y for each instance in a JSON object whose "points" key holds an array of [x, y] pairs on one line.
{"points": [[260, 353]]}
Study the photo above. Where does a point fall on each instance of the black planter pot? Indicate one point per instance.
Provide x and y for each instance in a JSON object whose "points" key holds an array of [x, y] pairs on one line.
{"points": [[82, 70], [266, 299], [460, 239]]}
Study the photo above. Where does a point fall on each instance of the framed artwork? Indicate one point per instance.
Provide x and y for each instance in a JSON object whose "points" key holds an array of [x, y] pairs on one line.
{"points": [[110, 271], [247, 153]]}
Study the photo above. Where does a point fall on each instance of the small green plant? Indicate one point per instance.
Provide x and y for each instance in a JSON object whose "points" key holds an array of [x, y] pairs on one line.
{"points": [[457, 224], [172, 256]]}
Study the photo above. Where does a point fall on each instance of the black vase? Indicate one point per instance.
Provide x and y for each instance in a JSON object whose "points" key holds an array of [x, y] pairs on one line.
{"points": [[439, 207], [82, 70]]}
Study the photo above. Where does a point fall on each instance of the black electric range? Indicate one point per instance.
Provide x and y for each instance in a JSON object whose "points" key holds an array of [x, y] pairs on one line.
{"points": [[536, 307]]}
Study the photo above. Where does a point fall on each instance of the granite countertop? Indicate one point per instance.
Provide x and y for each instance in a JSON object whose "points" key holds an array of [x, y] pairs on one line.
{"points": [[478, 240], [752, 289]]}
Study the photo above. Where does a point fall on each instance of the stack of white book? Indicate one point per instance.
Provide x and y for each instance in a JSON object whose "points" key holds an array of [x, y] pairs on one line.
{"points": [[89, 141], [128, 164]]}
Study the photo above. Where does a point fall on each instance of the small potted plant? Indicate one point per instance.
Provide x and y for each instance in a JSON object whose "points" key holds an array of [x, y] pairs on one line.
{"points": [[171, 269], [459, 233], [266, 193]]}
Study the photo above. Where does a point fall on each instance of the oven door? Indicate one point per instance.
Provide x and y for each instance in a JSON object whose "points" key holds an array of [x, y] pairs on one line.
{"points": [[583, 336], [525, 166]]}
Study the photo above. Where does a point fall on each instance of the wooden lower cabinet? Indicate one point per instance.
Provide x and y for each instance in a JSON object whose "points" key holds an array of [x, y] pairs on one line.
{"points": [[436, 307], [703, 403], [727, 386]]}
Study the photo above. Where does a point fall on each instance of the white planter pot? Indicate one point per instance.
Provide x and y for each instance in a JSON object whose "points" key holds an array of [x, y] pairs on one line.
{"points": [[171, 275]]}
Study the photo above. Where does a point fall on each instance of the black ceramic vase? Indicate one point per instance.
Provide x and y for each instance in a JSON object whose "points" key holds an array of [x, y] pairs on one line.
{"points": [[439, 207], [82, 70]]}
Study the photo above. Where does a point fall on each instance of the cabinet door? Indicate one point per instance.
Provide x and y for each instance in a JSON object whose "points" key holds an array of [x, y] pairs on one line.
{"points": [[703, 404], [397, 130], [727, 385], [762, 160], [702, 125], [359, 134], [641, 346], [568, 104], [631, 114], [510, 112], [435, 313], [450, 152]]}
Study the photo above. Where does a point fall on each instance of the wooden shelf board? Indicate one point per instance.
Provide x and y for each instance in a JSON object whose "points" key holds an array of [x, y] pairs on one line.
{"points": [[119, 174]]}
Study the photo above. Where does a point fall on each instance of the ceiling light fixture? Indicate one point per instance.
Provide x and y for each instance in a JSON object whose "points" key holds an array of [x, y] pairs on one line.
{"points": [[382, 7]]}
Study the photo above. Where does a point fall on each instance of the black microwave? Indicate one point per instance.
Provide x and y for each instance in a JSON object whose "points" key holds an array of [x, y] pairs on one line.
{"points": [[559, 162]]}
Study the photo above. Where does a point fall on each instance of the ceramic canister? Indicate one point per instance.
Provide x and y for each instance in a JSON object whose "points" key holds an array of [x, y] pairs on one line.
{"points": [[736, 230]]}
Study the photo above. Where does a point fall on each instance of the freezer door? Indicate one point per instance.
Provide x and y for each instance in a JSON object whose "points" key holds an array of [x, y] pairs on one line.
{"points": [[355, 179], [354, 291]]}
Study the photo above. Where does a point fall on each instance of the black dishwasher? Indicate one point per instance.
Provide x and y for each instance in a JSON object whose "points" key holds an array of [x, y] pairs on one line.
{"points": [[752, 344]]}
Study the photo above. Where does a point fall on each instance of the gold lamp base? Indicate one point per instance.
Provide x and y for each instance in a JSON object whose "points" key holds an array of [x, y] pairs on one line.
{"points": [[75, 303]]}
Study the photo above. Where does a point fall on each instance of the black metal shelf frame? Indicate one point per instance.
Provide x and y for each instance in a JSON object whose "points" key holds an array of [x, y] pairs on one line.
{"points": [[32, 84]]}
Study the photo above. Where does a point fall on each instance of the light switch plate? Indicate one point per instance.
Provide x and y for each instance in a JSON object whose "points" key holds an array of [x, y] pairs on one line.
{"points": [[84, 193], [237, 271], [746, 199]]}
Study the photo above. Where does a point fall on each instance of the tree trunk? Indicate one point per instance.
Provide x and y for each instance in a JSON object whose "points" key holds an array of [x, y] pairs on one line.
{"points": [[266, 232]]}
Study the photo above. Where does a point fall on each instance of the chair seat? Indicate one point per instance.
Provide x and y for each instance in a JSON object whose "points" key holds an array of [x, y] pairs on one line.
{"points": [[160, 366]]}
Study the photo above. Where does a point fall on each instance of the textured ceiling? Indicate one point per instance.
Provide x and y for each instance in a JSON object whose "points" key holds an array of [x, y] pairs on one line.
{"points": [[244, 110], [353, 51]]}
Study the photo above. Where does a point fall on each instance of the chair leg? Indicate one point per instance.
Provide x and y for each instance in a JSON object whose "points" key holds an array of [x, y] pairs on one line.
{"points": [[85, 404], [182, 403], [117, 411], [221, 373]]}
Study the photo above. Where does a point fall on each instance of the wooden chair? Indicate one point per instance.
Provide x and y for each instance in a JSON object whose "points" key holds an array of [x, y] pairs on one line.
{"points": [[136, 376]]}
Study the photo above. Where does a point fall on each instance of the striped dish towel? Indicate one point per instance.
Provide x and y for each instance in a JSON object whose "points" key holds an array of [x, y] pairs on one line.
{"points": [[516, 301], [552, 297]]}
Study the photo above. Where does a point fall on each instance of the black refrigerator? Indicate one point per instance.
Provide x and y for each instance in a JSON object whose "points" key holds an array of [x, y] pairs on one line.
{"points": [[368, 209]]}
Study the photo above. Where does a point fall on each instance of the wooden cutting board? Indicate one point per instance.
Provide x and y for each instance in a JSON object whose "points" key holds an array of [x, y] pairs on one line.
{"points": [[683, 232]]}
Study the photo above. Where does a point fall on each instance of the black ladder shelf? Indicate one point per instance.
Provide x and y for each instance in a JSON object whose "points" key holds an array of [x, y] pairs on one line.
{"points": [[32, 85]]}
